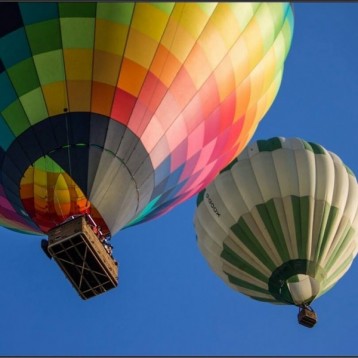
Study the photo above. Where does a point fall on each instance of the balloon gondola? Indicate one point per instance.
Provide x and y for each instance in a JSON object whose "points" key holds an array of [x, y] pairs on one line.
{"points": [[121, 111], [280, 223]]}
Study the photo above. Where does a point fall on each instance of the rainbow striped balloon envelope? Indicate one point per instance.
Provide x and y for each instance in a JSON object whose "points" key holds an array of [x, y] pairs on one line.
{"points": [[124, 110]]}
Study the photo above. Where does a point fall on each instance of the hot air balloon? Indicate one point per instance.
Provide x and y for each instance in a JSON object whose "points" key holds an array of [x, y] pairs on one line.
{"points": [[121, 111], [279, 224]]}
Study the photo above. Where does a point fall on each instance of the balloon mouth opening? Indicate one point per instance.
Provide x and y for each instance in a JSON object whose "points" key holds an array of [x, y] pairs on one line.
{"points": [[50, 196], [302, 288], [296, 282]]}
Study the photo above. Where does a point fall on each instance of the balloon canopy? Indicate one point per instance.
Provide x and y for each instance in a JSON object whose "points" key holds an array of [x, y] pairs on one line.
{"points": [[124, 110], [280, 223]]}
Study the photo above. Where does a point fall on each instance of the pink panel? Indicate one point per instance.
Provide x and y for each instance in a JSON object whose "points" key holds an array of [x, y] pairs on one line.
{"points": [[152, 92], [4, 203], [177, 133], [183, 89], [196, 140]]}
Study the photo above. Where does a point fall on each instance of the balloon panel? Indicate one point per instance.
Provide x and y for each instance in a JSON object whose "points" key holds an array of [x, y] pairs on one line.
{"points": [[141, 104]]}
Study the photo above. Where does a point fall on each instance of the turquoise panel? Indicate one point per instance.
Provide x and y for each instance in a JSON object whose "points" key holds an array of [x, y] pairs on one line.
{"points": [[6, 136], [8, 94], [36, 12], [14, 48]]}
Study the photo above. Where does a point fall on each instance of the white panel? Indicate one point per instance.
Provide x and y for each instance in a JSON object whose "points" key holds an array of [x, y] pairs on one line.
{"points": [[114, 193], [324, 177], [306, 171], [265, 174], [246, 182]]}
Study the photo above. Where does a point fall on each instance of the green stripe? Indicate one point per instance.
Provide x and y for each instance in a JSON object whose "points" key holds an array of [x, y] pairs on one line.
{"points": [[301, 214], [345, 240], [245, 235], [117, 12], [313, 147], [16, 118], [269, 216], [40, 43], [329, 213], [269, 145], [47, 164], [244, 284], [79, 9], [24, 77], [234, 259], [332, 279]]}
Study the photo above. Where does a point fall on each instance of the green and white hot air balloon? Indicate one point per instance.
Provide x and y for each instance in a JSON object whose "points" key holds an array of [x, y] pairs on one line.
{"points": [[279, 224]]}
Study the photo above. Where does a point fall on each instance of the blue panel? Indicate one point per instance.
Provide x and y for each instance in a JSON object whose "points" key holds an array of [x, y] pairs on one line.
{"points": [[14, 48], [174, 177], [6, 136], [8, 94], [163, 171], [33, 12]]}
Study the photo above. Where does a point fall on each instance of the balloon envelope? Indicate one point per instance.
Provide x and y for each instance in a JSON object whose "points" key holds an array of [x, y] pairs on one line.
{"points": [[280, 223], [125, 110]]}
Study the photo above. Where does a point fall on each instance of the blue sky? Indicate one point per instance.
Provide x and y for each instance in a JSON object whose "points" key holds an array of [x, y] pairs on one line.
{"points": [[169, 302]]}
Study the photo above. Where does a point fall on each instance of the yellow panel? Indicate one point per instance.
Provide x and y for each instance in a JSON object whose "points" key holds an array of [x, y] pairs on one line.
{"points": [[55, 97], [191, 17], [78, 64], [40, 178], [106, 67], [141, 48], [213, 45], [178, 41], [61, 184], [225, 79], [149, 20], [239, 57], [110, 37], [255, 48], [198, 66]]}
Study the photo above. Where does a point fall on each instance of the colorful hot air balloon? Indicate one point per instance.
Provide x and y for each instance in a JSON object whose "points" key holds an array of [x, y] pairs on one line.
{"points": [[127, 109], [280, 223], [124, 110]]}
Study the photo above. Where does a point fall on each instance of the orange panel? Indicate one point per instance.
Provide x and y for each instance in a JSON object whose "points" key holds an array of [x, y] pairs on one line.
{"points": [[132, 77], [79, 93], [102, 98], [165, 66]]}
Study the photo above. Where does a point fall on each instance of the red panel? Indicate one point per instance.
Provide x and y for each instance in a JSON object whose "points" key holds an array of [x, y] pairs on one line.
{"points": [[122, 106]]}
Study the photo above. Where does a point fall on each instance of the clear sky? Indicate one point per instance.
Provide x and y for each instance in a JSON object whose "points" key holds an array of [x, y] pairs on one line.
{"points": [[169, 302]]}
